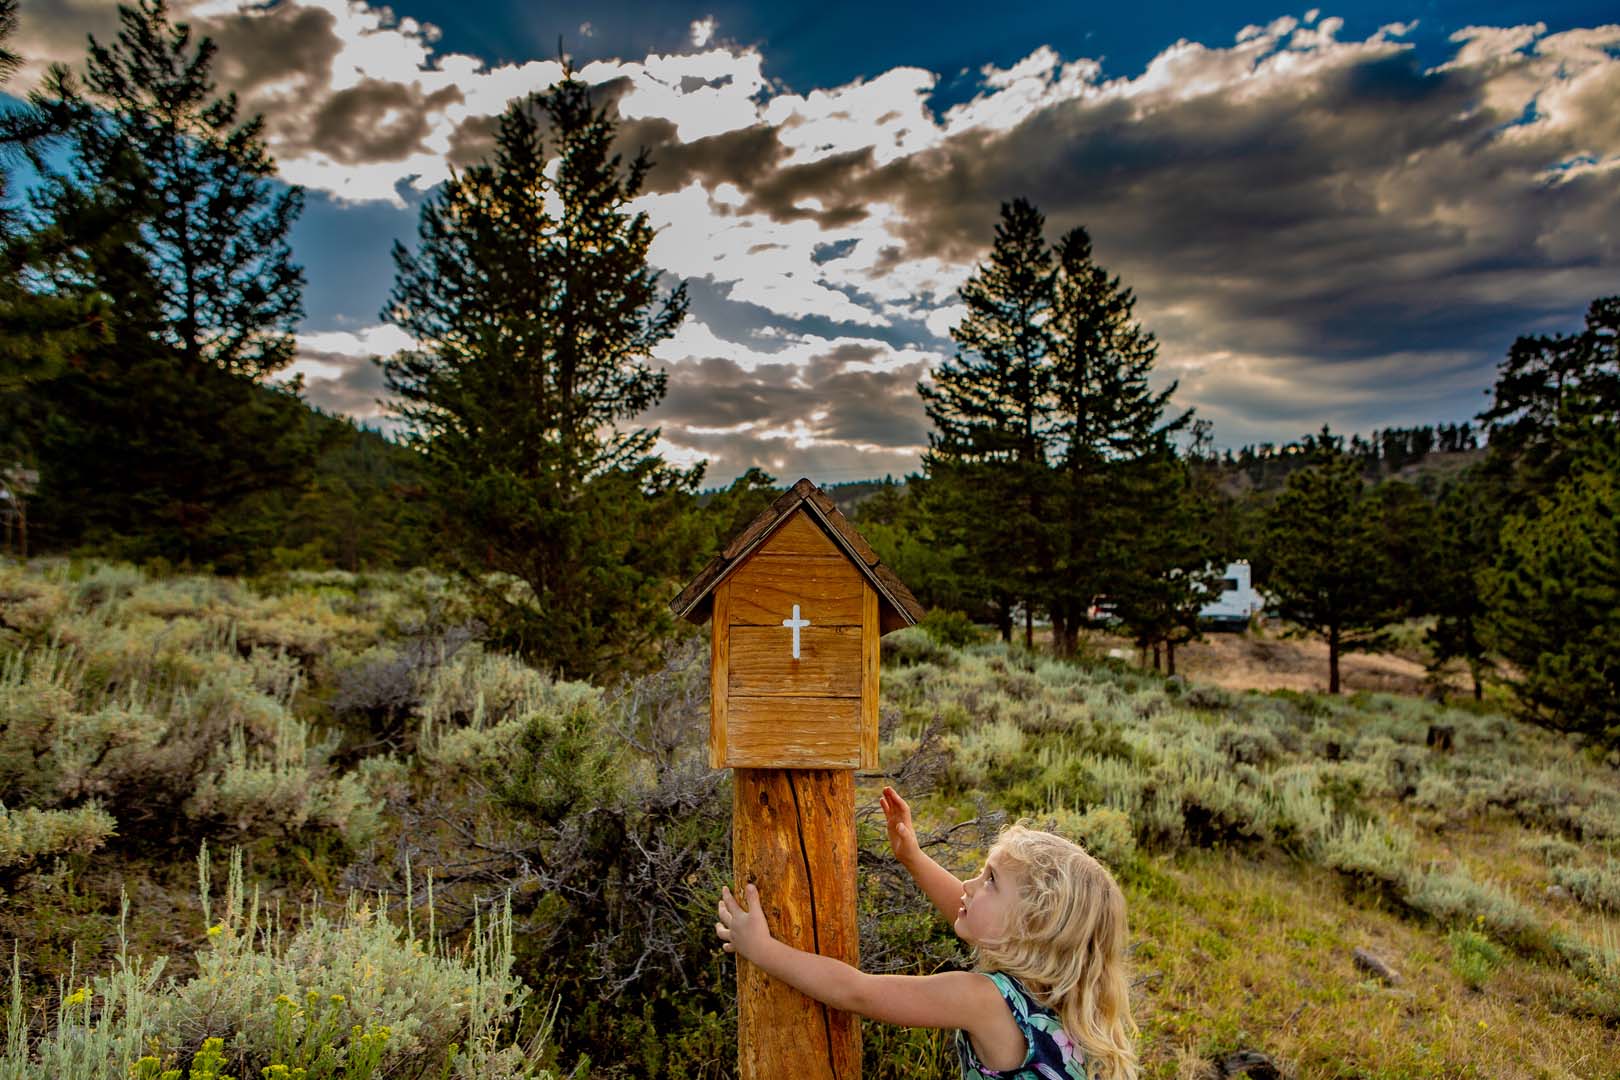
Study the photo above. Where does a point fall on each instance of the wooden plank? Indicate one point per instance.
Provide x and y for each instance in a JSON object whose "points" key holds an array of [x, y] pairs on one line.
{"points": [[793, 836], [799, 535], [872, 655], [797, 733], [826, 588], [761, 661], [719, 674]]}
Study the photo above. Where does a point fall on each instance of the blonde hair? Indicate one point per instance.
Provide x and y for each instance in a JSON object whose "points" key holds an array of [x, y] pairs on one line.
{"points": [[1066, 943]]}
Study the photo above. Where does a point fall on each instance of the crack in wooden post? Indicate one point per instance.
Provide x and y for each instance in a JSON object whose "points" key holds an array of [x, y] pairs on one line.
{"points": [[815, 918]]}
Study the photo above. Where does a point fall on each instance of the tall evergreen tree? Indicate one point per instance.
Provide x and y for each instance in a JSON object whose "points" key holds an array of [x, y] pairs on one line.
{"points": [[1105, 416], [991, 407], [1549, 391], [535, 312], [1554, 597], [1545, 578], [169, 205], [1467, 519], [1167, 548], [1329, 568], [39, 328]]}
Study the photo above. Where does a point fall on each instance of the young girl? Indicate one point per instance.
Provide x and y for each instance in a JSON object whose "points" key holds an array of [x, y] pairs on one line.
{"points": [[1048, 999]]}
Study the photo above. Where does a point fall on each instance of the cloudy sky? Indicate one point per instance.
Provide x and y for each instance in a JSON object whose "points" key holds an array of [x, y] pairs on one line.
{"points": [[1335, 216]]}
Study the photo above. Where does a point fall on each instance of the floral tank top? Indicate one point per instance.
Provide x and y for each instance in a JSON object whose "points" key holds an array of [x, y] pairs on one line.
{"points": [[1052, 1055]]}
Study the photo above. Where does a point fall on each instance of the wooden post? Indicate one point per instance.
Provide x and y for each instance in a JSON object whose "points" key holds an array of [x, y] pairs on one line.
{"points": [[793, 836], [798, 603]]}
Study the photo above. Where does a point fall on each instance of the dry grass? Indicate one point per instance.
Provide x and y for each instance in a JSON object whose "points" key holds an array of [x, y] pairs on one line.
{"points": [[1243, 954], [1265, 660]]}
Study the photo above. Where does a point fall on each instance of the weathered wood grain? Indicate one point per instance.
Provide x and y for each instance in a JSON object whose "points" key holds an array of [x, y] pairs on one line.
{"points": [[794, 838], [829, 663], [826, 588], [798, 733], [871, 659], [719, 672], [799, 535]]}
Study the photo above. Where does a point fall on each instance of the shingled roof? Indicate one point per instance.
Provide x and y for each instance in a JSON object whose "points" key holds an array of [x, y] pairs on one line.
{"points": [[896, 606]]}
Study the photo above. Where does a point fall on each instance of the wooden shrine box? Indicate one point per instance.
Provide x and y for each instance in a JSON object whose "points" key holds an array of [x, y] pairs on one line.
{"points": [[798, 603]]}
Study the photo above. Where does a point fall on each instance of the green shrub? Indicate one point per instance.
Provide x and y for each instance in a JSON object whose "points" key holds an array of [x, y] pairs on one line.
{"points": [[1453, 897], [951, 628], [1473, 956], [225, 749], [1370, 851], [1103, 831], [1595, 886], [27, 835], [912, 647], [355, 996], [1552, 850]]}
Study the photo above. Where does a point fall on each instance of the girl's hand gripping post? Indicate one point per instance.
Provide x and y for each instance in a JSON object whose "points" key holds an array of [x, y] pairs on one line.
{"points": [[743, 930]]}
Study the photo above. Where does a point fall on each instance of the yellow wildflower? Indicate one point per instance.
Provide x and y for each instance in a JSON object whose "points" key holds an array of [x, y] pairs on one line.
{"points": [[216, 930], [78, 997]]}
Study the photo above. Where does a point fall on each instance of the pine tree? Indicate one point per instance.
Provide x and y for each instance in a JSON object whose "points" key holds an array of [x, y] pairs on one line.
{"points": [[1467, 522], [39, 328], [1104, 417], [1174, 567], [1553, 594], [991, 409], [169, 206], [1546, 579], [1549, 392], [1330, 572], [535, 312]]}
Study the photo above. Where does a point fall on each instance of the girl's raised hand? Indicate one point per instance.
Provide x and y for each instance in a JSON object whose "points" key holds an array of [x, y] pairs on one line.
{"points": [[742, 930], [897, 816]]}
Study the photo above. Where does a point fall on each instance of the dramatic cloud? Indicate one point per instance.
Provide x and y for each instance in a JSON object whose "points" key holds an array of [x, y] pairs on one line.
{"points": [[1318, 230], [339, 375]]}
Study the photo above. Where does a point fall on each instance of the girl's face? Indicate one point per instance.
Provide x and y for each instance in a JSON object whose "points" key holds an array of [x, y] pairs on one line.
{"points": [[987, 902]]}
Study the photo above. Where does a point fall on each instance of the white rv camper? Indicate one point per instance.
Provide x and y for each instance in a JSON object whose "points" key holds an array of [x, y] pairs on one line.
{"points": [[1237, 603]]}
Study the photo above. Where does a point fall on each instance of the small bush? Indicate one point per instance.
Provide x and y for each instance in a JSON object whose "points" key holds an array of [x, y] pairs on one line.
{"points": [[1103, 831], [27, 834], [1248, 745], [1473, 957], [951, 628], [1370, 851], [913, 647], [1552, 850], [356, 996], [1595, 886], [1452, 897]]}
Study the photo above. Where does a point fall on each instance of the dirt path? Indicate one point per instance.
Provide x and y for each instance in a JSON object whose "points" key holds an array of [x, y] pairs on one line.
{"points": [[1268, 661]]}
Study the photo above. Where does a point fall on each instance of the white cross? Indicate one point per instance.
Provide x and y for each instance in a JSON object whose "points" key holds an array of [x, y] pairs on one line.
{"points": [[795, 623]]}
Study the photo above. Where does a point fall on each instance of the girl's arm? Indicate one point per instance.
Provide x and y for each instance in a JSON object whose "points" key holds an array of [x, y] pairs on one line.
{"points": [[937, 883], [953, 999]]}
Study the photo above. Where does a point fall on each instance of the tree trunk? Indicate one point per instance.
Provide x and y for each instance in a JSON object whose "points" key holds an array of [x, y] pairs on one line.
{"points": [[1333, 660], [1169, 657], [793, 836], [1155, 656], [1060, 633], [1029, 625], [1479, 687]]}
